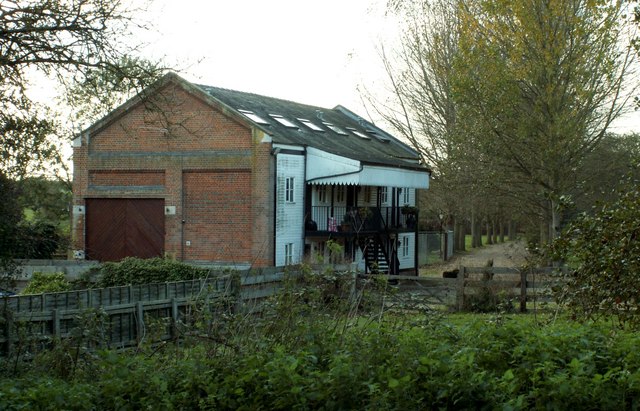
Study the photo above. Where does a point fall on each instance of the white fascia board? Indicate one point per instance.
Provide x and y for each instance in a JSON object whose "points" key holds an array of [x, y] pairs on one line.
{"points": [[288, 147], [393, 177], [321, 164]]}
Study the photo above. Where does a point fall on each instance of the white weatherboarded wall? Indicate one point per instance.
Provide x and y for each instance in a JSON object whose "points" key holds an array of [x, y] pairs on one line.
{"points": [[406, 256], [289, 214]]}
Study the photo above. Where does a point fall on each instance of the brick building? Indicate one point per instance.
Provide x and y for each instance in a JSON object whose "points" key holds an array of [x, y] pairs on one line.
{"points": [[214, 176]]}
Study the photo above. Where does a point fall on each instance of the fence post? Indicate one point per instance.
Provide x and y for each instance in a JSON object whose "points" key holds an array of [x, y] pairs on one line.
{"points": [[460, 288], [8, 318], [174, 318], [523, 291], [55, 318], [139, 321]]}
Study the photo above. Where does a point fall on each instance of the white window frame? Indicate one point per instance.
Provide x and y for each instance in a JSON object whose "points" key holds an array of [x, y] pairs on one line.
{"points": [[341, 194], [288, 253], [366, 194], [404, 246], [322, 194], [384, 195], [289, 190], [406, 197]]}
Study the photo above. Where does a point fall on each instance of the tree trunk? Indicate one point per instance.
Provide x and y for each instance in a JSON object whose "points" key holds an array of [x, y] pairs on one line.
{"points": [[544, 231], [494, 229], [501, 231], [462, 233], [456, 232], [556, 220], [489, 233], [474, 229]]}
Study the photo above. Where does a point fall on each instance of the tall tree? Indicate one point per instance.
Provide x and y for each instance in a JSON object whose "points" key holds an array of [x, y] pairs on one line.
{"points": [[65, 40], [420, 106], [423, 108], [86, 47], [541, 81]]}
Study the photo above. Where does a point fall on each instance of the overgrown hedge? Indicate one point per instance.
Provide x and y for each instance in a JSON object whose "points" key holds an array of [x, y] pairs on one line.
{"points": [[46, 283], [143, 271], [479, 362]]}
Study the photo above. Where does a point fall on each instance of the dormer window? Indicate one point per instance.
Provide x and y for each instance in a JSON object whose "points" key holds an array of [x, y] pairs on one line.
{"points": [[358, 133], [380, 137], [285, 122], [335, 129], [253, 116], [311, 125]]}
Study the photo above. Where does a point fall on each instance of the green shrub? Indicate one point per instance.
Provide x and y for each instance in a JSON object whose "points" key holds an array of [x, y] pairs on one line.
{"points": [[603, 250], [143, 271], [474, 363], [47, 283], [489, 298]]}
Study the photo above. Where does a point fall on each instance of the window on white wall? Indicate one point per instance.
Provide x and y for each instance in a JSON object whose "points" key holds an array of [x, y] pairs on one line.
{"points": [[340, 194], [322, 194], [406, 197], [288, 190], [384, 195], [288, 254], [404, 247], [366, 194]]}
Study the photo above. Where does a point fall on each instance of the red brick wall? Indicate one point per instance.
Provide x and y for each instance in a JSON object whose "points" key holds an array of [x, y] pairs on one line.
{"points": [[172, 121], [187, 151], [126, 178], [217, 215]]}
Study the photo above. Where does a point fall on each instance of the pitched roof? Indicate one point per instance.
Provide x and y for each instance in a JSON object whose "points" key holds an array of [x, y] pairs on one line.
{"points": [[337, 131]]}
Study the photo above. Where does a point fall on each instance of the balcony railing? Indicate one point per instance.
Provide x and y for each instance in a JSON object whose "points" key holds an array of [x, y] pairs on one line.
{"points": [[361, 219]]}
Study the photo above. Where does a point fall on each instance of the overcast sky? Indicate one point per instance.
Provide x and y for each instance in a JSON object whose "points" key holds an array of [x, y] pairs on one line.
{"points": [[313, 52]]}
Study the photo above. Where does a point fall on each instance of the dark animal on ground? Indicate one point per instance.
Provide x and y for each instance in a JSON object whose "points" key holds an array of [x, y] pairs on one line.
{"points": [[450, 274]]}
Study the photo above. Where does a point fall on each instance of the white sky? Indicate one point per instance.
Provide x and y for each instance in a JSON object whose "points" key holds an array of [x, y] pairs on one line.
{"points": [[312, 52]]}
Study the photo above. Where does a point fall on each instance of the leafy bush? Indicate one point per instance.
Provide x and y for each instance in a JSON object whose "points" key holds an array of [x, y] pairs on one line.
{"points": [[142, 271], [489, 298], [47, 283], [38, 240], [477, 363], [604, 251]]}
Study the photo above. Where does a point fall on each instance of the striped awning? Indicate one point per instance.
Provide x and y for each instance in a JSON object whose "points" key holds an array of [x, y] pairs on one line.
{"points": [[327, 168]]}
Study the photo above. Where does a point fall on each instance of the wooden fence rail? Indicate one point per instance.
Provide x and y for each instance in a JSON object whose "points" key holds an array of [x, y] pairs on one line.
{"points": [[525, 285], [125, 309], [45, 316]]}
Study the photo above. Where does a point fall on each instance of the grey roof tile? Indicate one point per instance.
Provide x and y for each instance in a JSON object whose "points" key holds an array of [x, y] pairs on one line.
{"points": [[380, 148]]}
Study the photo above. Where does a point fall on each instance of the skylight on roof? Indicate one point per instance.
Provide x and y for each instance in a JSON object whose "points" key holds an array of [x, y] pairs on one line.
{"points": [[358, 133], [309, 124], [253, 116], [283, 121], [335, 129], [379, 136]]}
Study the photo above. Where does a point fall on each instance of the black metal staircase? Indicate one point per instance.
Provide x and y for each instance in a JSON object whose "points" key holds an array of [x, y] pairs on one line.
{"points": [[375, 257]]}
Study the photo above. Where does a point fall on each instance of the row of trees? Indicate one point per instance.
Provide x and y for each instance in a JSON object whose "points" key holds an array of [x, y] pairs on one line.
{"points": [[510, 102], [87, 50]]}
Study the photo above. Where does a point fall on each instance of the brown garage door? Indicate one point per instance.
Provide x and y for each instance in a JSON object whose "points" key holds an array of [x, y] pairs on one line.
{"points": [[118, 228]]}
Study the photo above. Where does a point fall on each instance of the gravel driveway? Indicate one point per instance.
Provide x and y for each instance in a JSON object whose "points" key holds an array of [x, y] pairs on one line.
{"points": [[508, 254]]}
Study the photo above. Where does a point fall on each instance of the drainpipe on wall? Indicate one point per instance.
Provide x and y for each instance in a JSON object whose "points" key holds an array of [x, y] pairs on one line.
{"points": [[275, 153], [183, 217], [304, 206]]}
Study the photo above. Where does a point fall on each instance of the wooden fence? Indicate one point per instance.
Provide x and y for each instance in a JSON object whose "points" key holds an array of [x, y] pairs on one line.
{"points": [[524, 286], [127, 310], [124, 310]]}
